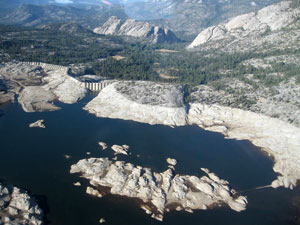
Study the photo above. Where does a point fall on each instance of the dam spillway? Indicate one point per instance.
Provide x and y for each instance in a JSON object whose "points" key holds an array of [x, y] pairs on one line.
{"points": [[96, 86]]}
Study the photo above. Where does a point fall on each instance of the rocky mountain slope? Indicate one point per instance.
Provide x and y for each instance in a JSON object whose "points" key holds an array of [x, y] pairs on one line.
{"points": [[252, 28], [184, 17], [136, 29], [188, 17], [8, 5], [13, 4], [266, 47], [36, 15]]}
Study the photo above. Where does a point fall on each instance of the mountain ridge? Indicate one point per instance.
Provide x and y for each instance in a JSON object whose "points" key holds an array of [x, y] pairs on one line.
{"points": [[261, 23], [186, 18], [35, 15], [136, 29]]}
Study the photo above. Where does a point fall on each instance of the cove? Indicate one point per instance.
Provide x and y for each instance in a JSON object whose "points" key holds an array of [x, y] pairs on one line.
{"points": [[33, 159]]}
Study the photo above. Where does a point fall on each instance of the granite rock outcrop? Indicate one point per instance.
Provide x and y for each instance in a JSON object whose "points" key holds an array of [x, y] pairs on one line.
{"points": [[17, 207], [159, 191], [136, 29], [38, 123], [38, 87], [141, 101], [275, 137], [255, 24]]}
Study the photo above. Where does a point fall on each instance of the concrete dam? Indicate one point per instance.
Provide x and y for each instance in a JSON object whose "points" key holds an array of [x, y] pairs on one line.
{"points": [[96, 86], [92, 86]]}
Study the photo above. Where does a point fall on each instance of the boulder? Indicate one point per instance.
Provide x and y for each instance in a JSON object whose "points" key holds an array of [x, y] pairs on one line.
{"points": [[172, 162], [38, 123]]}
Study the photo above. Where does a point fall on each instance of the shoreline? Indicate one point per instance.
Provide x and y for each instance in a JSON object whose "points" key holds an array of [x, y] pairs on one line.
{"points": [[111, 104], [278, 139], [162, 103], [262, 131]]}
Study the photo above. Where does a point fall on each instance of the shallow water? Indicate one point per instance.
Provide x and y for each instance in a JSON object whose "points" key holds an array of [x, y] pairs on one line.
{"points": [[33, 159]]}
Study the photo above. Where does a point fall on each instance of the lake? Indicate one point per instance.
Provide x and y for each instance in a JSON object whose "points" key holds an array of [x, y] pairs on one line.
{"points": [[33, 159]]}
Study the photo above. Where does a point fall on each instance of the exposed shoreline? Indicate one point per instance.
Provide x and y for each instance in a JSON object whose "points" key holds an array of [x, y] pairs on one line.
{"points": [[161, 103], [112, 104], [280, 140]]}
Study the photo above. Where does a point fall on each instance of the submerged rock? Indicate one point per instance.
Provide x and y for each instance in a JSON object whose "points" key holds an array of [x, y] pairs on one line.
{"points": [[158, 191], [39, 123], [17, 207]]}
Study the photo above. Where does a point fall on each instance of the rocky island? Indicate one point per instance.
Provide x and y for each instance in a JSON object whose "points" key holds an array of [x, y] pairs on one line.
{"points": [[160, 192], [118, 149], [17, 207], [38, 123]]}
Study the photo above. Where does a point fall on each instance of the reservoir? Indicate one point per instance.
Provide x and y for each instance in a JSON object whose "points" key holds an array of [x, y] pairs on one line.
{"points": [[34, 159]]}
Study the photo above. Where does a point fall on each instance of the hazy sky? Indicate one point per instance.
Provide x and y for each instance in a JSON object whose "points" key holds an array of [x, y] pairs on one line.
{"points": [[64, 1]]}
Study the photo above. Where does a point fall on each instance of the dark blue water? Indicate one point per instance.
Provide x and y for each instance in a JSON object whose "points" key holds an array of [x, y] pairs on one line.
{"points": [[33, 159]]}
